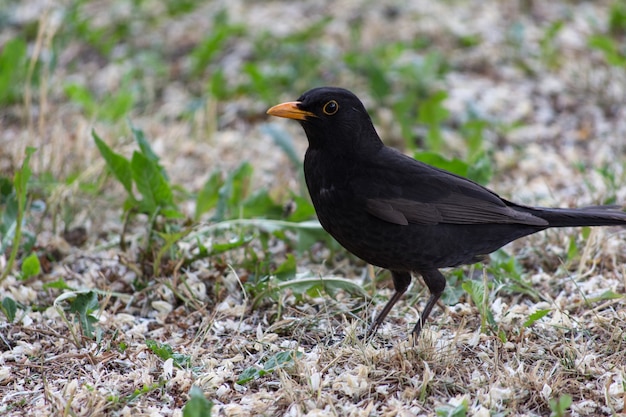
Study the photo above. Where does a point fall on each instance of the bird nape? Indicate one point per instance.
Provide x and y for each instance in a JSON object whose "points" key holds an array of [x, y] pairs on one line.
{"points": [[401, 214]]}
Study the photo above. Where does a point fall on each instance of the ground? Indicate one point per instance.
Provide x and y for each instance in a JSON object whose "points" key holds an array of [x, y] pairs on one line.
{"points": [[551, 326]]}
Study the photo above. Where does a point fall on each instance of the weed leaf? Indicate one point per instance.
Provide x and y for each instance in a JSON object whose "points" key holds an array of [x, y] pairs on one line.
{"points": [[119, 166], [84, 304], [31, 266], [151, 184], [9, 308], [278, 361], [198, 405], [208, 196], [537, 315]]}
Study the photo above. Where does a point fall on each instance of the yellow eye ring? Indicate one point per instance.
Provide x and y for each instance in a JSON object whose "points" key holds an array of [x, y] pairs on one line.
{"points": [[330, 108]]}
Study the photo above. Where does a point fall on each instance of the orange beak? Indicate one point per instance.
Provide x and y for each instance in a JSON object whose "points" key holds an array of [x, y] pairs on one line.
{"points": [[290, 110]]}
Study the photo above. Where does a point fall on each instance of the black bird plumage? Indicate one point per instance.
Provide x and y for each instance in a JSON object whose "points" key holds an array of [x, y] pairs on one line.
{"points": [[399, 213]]}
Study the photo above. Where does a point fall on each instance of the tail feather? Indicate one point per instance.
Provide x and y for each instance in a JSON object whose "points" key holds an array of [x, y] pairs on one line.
{"points": [[585, 216]]}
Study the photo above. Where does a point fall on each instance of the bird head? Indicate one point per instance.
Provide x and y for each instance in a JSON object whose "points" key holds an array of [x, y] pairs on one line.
{"points": [[333, 119]]}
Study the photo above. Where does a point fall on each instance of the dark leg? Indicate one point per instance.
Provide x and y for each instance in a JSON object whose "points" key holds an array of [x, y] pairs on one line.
{"points": [[401, 281], [436, 283]]}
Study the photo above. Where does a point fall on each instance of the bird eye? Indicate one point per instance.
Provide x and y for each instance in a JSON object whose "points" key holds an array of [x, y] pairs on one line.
{"points": [[330, 108]]}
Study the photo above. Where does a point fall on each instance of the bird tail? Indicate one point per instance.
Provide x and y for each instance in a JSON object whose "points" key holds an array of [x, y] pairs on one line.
{"points": [[586, 216]]}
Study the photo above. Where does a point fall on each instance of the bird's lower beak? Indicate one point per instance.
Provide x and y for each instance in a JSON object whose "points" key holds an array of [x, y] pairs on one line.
{"points": [[290, 110]]}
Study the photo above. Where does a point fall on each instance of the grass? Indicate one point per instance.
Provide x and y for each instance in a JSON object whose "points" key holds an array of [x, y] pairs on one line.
{"points": [[154, 223]]}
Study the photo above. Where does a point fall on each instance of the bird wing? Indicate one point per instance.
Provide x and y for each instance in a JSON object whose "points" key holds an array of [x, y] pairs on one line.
{"points": [[416, 193]]}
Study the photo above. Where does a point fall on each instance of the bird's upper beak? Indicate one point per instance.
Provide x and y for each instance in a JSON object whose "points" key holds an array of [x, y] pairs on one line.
{"points": [[290, 110]]}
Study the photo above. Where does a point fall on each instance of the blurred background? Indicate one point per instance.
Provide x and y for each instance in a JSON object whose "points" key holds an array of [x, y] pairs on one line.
{"points": [[436, 76]]}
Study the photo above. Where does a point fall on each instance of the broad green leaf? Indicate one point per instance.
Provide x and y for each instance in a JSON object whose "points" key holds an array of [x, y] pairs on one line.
{"points": [[59, 284], [606, 295], [9, 221], [611, 49], [481, 169], [280, 360], [151, 184], [239, 181], [198, 405], [30, 266], [165, 352], [559, 406], [209, 194], [454, 291], [249, 374], [508, 272], [117, 104], [277, 361], [9, 308], [22, 176], [146, 149], [218, 85], [537, 315], [83, 97], [84, 304], [473, 132], [119, 166], [6, 188], [260, 204], [286, 270], [432, 113], [14, 227], [172, 213], [232, 192], [13, 61], [213, 43], [312, 286], [304, 210], [447, 410], [218, 248], [572, 249], [476, 290]]}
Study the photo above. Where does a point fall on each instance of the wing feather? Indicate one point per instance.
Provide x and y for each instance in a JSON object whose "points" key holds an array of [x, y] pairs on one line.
{"points": [[431, 196]]}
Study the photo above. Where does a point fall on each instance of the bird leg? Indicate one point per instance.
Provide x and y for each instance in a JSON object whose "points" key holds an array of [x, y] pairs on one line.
{"points": [[436, 283], [401, 281]]}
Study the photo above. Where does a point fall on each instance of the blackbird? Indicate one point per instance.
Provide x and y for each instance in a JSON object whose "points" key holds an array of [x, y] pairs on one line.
{"points": [[398, 213]]}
